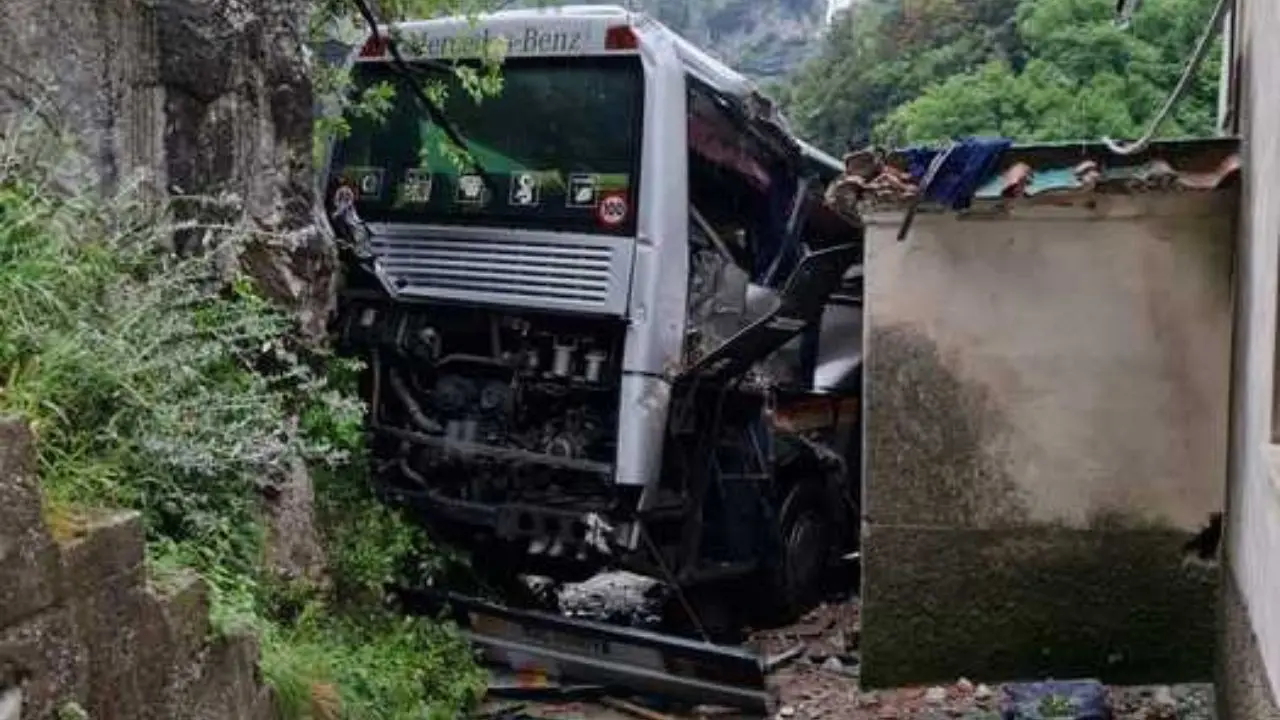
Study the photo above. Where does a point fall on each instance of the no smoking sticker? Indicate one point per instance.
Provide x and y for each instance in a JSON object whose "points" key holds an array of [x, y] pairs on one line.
{"points": [[612, 210]]}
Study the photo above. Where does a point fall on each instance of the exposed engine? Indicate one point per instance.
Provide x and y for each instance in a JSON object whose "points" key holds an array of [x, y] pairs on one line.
{"points": [[492, 407]]}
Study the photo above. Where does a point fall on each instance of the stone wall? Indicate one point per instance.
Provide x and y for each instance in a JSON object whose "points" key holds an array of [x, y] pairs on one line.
{"points": [[1046, 413], [82, 625]]}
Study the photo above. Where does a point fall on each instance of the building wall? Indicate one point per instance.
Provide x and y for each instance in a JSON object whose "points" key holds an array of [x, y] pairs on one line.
{"points": [[1253, 527], [1046, 430]]}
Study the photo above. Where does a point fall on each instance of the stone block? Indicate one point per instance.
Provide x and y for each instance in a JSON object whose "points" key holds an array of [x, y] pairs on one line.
{"points": [[104, 546], [182, 602], [116, 696], [45, 650], [229, 684], [174, 630], [28, 558], [996, 605], [109, 618]]}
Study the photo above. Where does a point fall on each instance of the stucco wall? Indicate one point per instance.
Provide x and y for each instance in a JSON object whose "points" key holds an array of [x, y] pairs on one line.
{"points": [[1046, 429], [1253, 543]]}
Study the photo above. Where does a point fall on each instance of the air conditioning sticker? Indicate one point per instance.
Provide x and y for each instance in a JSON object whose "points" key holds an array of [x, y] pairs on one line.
{"points": [[613, 209]]}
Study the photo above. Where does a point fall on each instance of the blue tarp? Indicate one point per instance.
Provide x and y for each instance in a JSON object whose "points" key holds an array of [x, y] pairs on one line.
{"points": [[1071, 700], [968, 165]]}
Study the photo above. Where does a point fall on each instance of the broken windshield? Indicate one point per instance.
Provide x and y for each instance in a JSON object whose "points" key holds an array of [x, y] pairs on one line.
{"points": [[561, 142]]}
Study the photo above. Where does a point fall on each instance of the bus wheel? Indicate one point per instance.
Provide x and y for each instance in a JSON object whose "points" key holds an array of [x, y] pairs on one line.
{"points": [[796, 573]]}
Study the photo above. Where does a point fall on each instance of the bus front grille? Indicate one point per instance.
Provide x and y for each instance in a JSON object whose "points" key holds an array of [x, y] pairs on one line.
{"points": [[586, 274]]}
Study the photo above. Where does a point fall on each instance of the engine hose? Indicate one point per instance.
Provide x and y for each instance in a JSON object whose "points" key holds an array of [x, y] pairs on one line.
{"points": [[415, 411]]}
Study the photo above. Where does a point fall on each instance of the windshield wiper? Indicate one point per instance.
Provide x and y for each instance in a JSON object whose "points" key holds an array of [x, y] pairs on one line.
{"points": [[433, 109]]}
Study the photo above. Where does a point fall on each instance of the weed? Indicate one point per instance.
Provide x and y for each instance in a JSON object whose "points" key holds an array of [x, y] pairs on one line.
{"points": [[163, 383]]}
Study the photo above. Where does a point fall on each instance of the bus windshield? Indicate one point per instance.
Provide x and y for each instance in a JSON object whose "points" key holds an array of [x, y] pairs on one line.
{"points": [[560, 142]]}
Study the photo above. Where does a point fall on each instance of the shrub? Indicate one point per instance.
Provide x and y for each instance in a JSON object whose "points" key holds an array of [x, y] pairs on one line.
{"points": [[165, 384]]}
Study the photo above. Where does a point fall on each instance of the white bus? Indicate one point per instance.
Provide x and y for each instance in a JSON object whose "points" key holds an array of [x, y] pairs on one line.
{"points": [[617, 334]]}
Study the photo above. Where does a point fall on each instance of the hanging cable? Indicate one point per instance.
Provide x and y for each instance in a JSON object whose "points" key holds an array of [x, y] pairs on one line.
{"points": [[1188, 74]]}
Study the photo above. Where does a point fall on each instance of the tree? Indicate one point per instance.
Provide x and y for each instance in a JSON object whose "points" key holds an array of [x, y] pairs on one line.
{"points": [[346, 19], [903, 71], [1088, 78], [883, 53]]}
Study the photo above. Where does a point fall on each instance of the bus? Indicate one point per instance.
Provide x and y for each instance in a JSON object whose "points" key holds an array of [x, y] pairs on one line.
{"points": [[607, 318]]}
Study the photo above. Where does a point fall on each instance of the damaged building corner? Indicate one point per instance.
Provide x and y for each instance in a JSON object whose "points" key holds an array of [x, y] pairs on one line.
{"points": [[1026, 512]]}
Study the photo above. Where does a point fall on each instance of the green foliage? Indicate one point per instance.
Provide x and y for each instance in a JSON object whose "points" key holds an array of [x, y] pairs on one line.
{"points": [[911, 71], [342, 20], [373, 667], [165, 384]]}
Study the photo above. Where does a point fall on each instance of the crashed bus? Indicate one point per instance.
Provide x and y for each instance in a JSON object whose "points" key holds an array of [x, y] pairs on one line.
{"points": [[625, 331]]}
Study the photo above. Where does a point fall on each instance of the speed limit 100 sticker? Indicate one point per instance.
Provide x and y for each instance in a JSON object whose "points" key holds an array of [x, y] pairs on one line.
{"points": [[612, 210]]}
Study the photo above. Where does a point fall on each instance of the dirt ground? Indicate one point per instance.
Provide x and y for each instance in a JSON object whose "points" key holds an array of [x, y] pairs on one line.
{"points": [[819, 681]]}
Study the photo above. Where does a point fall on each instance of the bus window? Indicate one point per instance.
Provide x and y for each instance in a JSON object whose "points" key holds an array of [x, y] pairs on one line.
{"points": [[743, 189]]}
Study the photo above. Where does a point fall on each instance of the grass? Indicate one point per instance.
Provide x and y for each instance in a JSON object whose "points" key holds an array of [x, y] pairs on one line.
{"points": [[167, 385]]}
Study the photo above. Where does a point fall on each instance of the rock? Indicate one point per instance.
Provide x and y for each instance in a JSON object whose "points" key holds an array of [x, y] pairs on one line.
{"points": [[983, 692], [11, 704], [202, 98], [935, 695], [293, 550], [29, 567], [1164, 706], [787, 711], [833, 664]]}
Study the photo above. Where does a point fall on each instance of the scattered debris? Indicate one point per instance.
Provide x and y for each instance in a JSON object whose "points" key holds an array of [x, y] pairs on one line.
{"points": [[632, 709], [813, 666], [776, 661]]}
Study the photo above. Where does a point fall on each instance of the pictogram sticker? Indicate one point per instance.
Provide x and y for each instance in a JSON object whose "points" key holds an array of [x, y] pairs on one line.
{"points": [[613, 209], [582, 191], [417, 186], [470, 190], [526, 189]]}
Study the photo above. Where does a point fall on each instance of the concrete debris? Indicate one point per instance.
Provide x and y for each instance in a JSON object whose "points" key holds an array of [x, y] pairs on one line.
{"points": [[621, 597]]}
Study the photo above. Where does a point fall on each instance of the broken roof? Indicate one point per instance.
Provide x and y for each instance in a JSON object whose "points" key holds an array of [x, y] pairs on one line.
{"points": [[1059, 173]]}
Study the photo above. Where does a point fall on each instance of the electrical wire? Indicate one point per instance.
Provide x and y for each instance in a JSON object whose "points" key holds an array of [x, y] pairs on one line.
{"points": [[1188, 74]]}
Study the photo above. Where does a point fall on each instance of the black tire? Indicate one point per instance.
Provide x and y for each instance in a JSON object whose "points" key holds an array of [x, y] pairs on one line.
{"points": [[795, 572]]}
